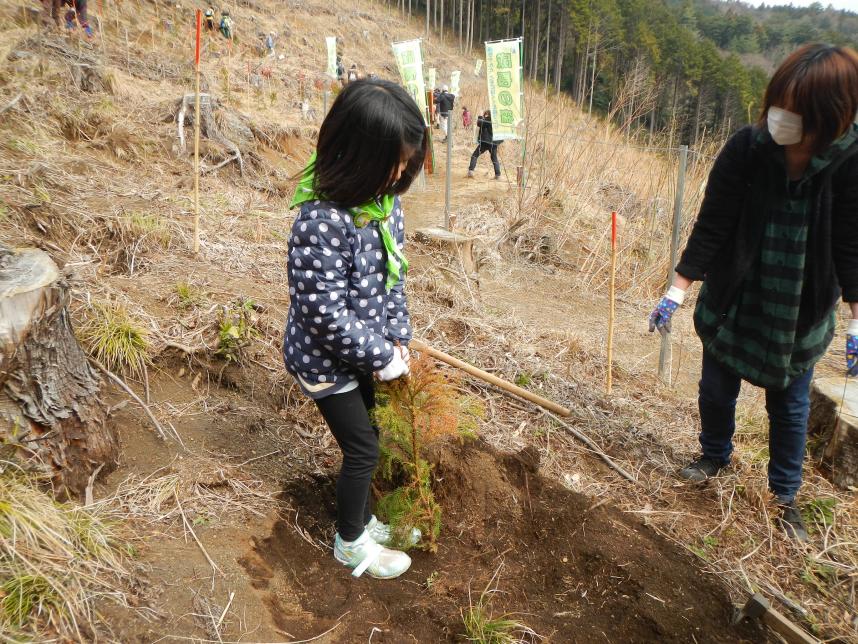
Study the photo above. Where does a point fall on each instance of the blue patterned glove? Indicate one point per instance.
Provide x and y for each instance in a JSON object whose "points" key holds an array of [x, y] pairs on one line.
{"points": [[852, 349], [662, 314]]}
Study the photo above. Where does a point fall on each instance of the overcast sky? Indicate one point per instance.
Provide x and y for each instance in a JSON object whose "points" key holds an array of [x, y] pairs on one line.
{"points": [[851, 5]]}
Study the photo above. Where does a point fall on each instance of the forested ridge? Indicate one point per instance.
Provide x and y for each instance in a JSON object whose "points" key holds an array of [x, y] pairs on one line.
{"points": [[681, 68]]}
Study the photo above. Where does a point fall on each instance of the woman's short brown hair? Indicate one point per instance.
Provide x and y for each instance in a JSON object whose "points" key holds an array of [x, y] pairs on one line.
{"points": [[819, 82]]}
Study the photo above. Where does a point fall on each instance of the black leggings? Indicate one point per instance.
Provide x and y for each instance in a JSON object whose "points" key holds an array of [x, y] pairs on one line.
{"points": [[492, 149], [348, 416]]}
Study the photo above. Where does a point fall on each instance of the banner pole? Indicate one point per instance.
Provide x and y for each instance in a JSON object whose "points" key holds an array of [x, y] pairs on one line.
{"points": [[448, 180], [196, 246]]}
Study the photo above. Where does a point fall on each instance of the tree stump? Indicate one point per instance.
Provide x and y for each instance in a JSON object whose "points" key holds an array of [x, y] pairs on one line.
{"points": [[457, 244], [833, 426], [51, 419]]}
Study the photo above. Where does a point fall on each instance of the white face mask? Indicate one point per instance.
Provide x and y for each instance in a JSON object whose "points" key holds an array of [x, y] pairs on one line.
{"points": [[784, 126]]}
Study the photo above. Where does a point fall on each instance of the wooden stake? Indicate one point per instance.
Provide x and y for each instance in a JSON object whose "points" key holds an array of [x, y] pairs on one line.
{"points": [[490, 378], [197, 135], [612, 302]]}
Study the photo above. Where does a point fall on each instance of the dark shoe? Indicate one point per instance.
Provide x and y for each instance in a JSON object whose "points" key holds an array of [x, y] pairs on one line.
{"points": [[497, 177], [470, 174], [700, 470], [792, 523]]}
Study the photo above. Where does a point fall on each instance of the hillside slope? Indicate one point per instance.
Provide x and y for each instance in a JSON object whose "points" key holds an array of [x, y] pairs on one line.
{"points": [[232, 526]]}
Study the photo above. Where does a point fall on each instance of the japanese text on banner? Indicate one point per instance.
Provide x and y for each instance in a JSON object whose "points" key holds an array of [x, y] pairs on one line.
{"points": [[503, 76], [410, 62], [332, 55], [454, 82], [430, 78]]}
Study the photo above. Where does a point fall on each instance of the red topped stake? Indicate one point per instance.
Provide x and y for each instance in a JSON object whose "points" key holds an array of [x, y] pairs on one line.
{"points": [[199, 29]]}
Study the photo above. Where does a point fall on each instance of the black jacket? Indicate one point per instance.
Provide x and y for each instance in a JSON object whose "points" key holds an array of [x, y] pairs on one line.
{"points": [[445, 101], [485, 125], [726, 237]]}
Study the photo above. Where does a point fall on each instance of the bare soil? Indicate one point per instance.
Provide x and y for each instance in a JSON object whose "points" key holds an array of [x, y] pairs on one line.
{"points": [[571, 569]]}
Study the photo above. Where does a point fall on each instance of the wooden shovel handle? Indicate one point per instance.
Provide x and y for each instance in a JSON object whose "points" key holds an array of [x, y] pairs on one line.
{"points": [[489, 378]]}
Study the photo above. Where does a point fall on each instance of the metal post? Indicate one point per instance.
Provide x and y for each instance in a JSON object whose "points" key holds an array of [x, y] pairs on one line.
{"points": [[664, 354], [449, 178]]}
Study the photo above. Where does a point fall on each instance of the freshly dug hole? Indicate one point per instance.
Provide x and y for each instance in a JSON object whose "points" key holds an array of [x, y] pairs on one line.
{"points": [[569, 572]]}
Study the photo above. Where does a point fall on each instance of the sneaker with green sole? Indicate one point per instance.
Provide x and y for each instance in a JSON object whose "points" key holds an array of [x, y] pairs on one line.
{"points": [[364, 555], [382, 533]]}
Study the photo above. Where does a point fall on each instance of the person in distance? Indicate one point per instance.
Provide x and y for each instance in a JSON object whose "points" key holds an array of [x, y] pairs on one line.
{"points": [[776, 245]]}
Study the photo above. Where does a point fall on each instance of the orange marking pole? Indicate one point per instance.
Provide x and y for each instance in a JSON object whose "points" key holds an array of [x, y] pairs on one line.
{"points": [[197, 135], [612, 300]]}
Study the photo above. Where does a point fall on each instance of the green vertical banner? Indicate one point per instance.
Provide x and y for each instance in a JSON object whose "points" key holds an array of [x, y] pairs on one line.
{"points": [[506, 88], [478, 66], [331, 42], [431, 77], [455, 77], [409, 59]]}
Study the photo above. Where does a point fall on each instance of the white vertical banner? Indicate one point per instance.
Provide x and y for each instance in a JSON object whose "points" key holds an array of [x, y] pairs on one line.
{"points": [[409, 59], [455, 77], [431, 77], [506, 88], [331, 42], [478, 66]]}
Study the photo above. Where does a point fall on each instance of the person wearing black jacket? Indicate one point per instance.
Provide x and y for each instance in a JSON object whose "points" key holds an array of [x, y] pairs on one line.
{"points": [[485, 143], [776, 245], [444, 101]]}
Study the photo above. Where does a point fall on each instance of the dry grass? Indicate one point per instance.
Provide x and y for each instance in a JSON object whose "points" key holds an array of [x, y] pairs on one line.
{"points": [[99, 181], [56, 561], [206, 488]]}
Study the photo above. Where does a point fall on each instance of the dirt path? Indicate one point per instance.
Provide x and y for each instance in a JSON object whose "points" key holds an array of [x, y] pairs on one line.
{"points": [[556, 299]]}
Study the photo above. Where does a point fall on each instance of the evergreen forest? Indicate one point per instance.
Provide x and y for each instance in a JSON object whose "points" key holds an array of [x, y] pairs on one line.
{"points": [[690, 68]]}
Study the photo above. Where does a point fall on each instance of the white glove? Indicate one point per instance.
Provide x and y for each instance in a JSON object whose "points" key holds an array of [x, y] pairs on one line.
{"points": [[394, 369]]}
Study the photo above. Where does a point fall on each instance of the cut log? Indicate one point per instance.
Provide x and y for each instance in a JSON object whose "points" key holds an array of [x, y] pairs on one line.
{"points": [[51, 419], [833, 427], [458, 245]]}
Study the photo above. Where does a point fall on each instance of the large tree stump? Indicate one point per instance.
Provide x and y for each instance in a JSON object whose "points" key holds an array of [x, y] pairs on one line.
{"points": [[51, 418], [833, 426]]}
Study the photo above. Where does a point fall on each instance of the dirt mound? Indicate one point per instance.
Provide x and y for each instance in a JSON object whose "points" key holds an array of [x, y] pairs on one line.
{"points": [[573, 570]]}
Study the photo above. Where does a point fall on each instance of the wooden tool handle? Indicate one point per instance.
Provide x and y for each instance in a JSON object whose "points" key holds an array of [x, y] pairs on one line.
{"points": [[489, 378]]}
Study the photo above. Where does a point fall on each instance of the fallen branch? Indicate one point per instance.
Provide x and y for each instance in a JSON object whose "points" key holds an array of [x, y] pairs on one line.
{"points": [[190, 529], [236, 157], [11, 103], [596, 449], [131, 393]]}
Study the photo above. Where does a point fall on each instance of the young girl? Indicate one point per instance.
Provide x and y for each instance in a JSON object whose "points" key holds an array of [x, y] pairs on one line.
{"points": [[348, 320]]}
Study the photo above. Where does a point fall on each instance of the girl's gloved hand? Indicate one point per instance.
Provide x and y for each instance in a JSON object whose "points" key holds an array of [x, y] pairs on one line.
{"points": [[662, 314], [394, 369], [852, 348], [405, 353]]}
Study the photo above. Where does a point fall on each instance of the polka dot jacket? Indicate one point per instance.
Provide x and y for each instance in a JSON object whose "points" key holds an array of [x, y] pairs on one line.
{"points": [[342, 322]]}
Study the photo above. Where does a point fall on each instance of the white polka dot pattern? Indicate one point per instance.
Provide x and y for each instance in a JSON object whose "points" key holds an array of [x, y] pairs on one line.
{"points": [[341, 322]]}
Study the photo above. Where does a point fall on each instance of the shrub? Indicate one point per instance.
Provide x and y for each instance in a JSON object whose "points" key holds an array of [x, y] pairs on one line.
{"points": [[416, 412], [237, 328], [114, 338]]}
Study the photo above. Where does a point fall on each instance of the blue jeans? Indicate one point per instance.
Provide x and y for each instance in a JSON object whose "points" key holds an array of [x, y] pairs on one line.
{"points": [[788, 410]]}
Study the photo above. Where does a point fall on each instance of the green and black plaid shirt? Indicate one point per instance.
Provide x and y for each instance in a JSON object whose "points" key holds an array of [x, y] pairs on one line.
{"points": [[757, 338]]}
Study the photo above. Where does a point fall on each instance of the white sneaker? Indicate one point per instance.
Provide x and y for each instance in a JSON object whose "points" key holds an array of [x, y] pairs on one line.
{"points": [[365, 555], [382, 533]]}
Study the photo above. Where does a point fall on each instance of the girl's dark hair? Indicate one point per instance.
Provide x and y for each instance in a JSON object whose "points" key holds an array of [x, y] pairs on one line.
{"points": [[371, 126], [820, 83]]}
